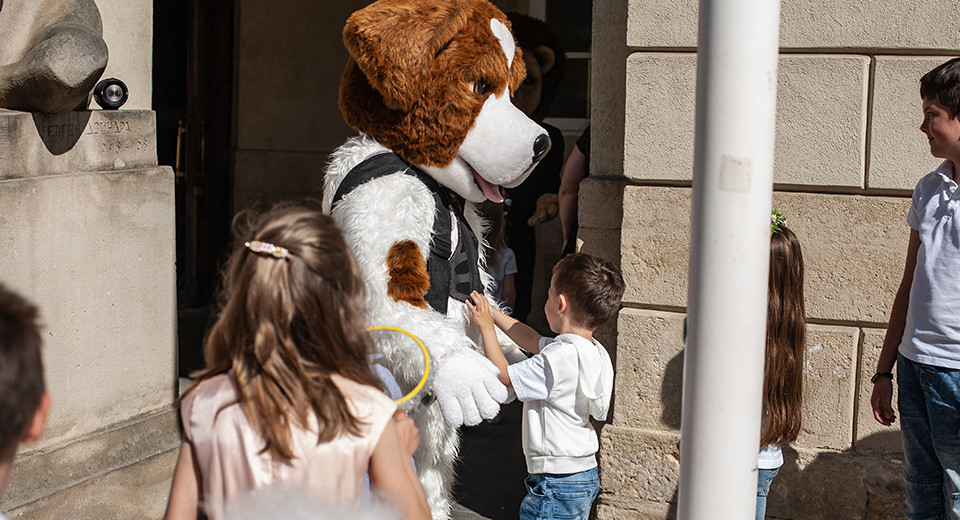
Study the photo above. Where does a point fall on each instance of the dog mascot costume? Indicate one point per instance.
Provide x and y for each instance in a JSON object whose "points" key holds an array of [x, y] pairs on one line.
{"points": [[428, 85]]}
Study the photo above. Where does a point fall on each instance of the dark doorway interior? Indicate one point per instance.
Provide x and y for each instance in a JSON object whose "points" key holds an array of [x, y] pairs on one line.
{"points": [[193, 95]]}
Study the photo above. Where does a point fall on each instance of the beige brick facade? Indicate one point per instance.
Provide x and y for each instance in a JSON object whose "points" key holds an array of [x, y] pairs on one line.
{"points": [[848, 153]]}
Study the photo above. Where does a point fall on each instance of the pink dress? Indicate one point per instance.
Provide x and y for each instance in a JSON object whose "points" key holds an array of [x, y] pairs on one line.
{"points": [[229, 452]]}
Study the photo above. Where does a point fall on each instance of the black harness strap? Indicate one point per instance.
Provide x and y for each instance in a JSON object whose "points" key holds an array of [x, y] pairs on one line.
{"points": [[452, 274]]}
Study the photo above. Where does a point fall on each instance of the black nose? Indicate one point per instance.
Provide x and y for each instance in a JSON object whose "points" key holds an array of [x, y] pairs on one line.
{"points": [[541, 146]]}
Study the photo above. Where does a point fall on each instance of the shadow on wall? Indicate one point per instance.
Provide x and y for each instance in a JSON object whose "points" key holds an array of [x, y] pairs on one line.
{"points": [[854, 483], [60, 132], [844, 484]]}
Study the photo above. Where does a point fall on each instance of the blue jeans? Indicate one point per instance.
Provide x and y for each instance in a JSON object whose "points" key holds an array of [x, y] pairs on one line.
{"points": [[929, 405], [764, 478], [552, 496]]}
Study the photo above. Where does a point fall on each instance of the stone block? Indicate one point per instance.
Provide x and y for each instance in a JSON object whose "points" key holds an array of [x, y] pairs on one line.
{"points": [[95, 252], [639, 464], [872, 437], [607, 73], [809, 24], [649, 370], [662, 24], [600, 204], [829, 382], [813, 485], [821, 120], [899, 153], [136, 491], [853, 250], [128, 31], [656, 241], [659, 119], [44, 480], [81, 141], [604, 243], [820, 130], [610, 509]]}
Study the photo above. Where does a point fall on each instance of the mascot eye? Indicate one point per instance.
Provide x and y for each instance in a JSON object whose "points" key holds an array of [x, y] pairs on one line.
{"points": [[481, 87], [528, 81]]}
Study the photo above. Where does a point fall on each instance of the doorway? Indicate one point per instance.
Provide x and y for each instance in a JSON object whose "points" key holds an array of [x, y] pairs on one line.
{"points": [[193, 96]]}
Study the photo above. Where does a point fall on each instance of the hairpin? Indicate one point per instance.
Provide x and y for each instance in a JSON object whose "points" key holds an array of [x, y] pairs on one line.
{"points": [[266, 248], [777, 221]]}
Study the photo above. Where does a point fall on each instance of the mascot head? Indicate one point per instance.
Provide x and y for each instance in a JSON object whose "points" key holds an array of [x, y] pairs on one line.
{"points": [[431, 80]]}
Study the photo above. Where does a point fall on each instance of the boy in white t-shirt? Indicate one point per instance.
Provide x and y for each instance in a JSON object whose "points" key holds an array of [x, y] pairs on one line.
{"points": [[568, 380], [923, 335]]}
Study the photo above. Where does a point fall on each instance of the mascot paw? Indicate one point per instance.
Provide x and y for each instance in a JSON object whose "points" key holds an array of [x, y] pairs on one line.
{"points": [[467, 388], [547, 208]]}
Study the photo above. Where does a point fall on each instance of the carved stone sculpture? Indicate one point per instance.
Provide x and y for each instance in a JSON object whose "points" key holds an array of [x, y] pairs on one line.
{"points": [[51, 54]]}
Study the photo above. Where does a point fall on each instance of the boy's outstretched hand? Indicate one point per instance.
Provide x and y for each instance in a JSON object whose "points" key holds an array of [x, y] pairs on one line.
{"points": [[480, 309]]}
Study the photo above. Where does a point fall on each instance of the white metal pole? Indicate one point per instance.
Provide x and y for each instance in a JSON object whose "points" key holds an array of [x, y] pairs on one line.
{"points": [[729, 256]]}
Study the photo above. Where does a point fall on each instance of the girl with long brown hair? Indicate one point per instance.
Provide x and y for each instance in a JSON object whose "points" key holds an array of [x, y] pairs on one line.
{"points": [[288, 395], [783, 365]]}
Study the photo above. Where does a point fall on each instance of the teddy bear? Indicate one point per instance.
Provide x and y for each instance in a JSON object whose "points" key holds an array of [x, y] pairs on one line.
{"points": [[535, 201], [51, 54], [428, 86]]}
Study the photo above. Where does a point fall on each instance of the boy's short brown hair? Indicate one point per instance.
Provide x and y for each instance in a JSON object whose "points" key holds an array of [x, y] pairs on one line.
{"points": [[593, 286], [21, 368], [943, 85]]}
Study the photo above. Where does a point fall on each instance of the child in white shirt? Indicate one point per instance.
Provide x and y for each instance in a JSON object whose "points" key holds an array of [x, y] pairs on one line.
{"points": [[567, 381]]}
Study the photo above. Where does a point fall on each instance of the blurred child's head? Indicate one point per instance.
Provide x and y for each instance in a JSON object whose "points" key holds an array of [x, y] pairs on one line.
{"points": [[592, 286], [292, 314], [496, 234], [786, 338], [943, 85], [23, 399]]}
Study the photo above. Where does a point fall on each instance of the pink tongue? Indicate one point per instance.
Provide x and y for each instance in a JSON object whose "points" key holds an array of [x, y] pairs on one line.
{"points": [[491, 191]]}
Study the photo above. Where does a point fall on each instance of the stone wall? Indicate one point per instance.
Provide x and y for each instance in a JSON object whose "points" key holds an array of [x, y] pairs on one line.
{"points": [[848, 153], [87, 220]]}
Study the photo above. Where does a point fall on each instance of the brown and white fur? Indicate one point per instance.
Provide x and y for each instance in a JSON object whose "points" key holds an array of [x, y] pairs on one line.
{"points": [[430, 80]]}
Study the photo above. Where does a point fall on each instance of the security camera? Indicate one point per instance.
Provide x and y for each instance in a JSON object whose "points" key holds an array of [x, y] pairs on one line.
{"points": [[110, 93]]}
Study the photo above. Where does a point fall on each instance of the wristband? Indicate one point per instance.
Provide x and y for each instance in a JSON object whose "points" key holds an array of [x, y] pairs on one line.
{"points": [[878, 375]]}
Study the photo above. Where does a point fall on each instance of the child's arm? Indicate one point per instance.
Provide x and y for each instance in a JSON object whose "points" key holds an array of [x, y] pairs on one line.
{"points": [[392, 475], [185, 489], [480, 309], [883, 388], [521, 333]]}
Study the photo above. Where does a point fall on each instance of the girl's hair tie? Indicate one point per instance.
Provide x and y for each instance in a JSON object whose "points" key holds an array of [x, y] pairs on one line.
{"points": [[266, 248], [777, 221]]}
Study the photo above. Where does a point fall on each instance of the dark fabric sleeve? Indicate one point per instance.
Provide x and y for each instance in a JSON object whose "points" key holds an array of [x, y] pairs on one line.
{"points": [[583, 142]]}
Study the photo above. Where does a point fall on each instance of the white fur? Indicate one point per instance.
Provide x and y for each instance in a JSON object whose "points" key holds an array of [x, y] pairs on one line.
{"points": [[375, 216], [506, 39], [499, 148]]}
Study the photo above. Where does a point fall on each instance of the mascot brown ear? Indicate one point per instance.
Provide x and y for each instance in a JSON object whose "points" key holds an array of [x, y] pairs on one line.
{"points": [[393, 41], [545, 57]]}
